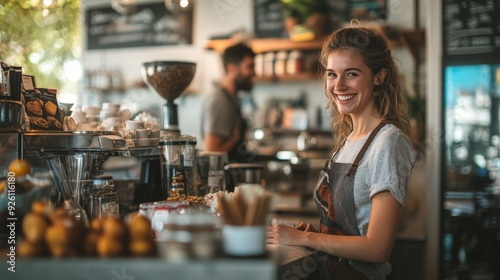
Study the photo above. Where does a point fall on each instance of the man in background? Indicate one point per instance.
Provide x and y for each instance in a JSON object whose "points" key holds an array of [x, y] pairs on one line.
{"points": [[223, 126]]}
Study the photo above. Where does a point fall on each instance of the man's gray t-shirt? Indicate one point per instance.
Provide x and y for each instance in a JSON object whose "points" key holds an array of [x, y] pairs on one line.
{"points": [[386, 165], [220, 114]]}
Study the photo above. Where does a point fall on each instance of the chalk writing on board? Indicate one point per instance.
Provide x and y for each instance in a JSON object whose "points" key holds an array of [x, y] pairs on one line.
{"points": [[150, 25], [469, 27]]}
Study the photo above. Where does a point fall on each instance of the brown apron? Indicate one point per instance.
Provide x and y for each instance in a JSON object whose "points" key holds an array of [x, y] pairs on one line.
{"points": [[334, 194]]}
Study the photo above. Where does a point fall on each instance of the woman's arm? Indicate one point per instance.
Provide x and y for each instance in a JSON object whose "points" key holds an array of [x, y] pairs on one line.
{"points": [[375, 247]]}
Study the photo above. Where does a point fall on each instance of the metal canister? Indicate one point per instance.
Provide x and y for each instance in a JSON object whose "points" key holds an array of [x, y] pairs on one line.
{"points": [[102, 198]]}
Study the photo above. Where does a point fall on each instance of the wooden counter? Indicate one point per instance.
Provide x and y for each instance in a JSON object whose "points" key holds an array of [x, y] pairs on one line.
{"points": [[281, 261]]}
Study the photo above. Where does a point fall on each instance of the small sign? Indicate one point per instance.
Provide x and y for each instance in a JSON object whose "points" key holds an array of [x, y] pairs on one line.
{"points": [[28, 82]]}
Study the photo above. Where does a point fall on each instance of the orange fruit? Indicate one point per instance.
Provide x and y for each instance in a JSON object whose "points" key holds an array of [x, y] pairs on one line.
{"points": [[96, 225], [90, 243], [139, 227], [114, 227], [3, 184], [39, 207], [142, 247], [20, 167], [109, 246], [58, 236], [34, 227], [28, 249]]}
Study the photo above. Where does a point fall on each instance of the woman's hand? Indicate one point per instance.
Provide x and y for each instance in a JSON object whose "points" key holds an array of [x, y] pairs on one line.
{"points": [[284, 235], [306, 227]]}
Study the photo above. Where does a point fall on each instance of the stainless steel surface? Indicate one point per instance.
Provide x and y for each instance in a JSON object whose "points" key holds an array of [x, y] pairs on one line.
{"points": [[239, 173], [70, 172], [46, 144], [74, 157], [102, 199]]}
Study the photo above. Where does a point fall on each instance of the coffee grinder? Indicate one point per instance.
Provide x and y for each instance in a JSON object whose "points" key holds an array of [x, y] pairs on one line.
{"points": [[168, 79]]}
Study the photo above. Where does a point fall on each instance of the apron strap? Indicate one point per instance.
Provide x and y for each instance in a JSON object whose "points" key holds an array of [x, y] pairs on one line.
{"points": [[362, 152]]}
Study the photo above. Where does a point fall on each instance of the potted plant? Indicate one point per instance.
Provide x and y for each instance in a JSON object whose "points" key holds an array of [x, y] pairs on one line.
{"points": [[311, 13]]}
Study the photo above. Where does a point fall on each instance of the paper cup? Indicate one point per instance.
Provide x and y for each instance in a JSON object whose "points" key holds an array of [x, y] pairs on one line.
{"points": [[244, 241]]}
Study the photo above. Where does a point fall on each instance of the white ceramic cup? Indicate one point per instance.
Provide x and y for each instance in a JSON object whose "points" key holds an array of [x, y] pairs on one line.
{"points": [[244, 240], [143, 142], [133, 125], [142, 133], [79, 117], [154, 134], [92, 110], [107, 114]]}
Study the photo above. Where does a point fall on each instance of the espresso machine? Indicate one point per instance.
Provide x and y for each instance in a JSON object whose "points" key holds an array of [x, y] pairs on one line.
{"points": [[74, 157]]}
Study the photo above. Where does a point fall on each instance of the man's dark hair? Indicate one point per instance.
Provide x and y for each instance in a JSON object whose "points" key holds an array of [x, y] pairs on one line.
{"points": [[235, 54]]}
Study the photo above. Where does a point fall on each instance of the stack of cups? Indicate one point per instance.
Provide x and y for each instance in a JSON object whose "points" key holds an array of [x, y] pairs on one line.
{"points": [[109, 110], [142, 135]]}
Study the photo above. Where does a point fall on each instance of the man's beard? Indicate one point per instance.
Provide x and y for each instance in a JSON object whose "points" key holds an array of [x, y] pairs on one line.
{"points": [[243, 83]]}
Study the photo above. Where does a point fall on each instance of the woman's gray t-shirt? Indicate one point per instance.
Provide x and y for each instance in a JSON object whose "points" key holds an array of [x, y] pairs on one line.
{"points": [[386, 165]]}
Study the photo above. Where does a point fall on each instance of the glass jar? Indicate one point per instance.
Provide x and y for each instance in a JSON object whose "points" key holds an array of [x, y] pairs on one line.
{"points": [[269, 64], [161, 211], [280, 63], [193, 180], [294, 63], [259, 64], [179, 169], [102, 198], [214, 170], [172, 162], [190, 233]]}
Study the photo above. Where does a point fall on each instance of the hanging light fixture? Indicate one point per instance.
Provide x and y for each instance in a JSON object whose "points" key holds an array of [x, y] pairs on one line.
{"points": [[178, 5]]}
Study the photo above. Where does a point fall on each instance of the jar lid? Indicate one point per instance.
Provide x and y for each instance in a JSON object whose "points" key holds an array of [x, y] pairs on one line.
{"points": [[193, 216], [177, 140], [281, 55], [99, 180], [243, 166]]}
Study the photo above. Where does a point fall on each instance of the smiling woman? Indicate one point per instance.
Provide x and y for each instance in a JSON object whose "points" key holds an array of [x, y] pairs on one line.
{"points": [[43, 37], [363, 185]]}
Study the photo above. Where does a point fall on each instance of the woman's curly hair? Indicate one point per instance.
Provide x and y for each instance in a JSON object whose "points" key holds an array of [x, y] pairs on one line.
{"points": [[374, 49]]}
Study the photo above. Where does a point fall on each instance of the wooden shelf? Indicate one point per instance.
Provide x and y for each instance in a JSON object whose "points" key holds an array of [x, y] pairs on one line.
{"points": [[267, 45], [413, 39]]}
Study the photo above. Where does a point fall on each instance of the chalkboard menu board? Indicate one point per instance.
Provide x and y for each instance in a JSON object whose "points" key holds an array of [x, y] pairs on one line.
{"points": [[471, 27], [269, 16], [268, 19], [150, 25]]}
